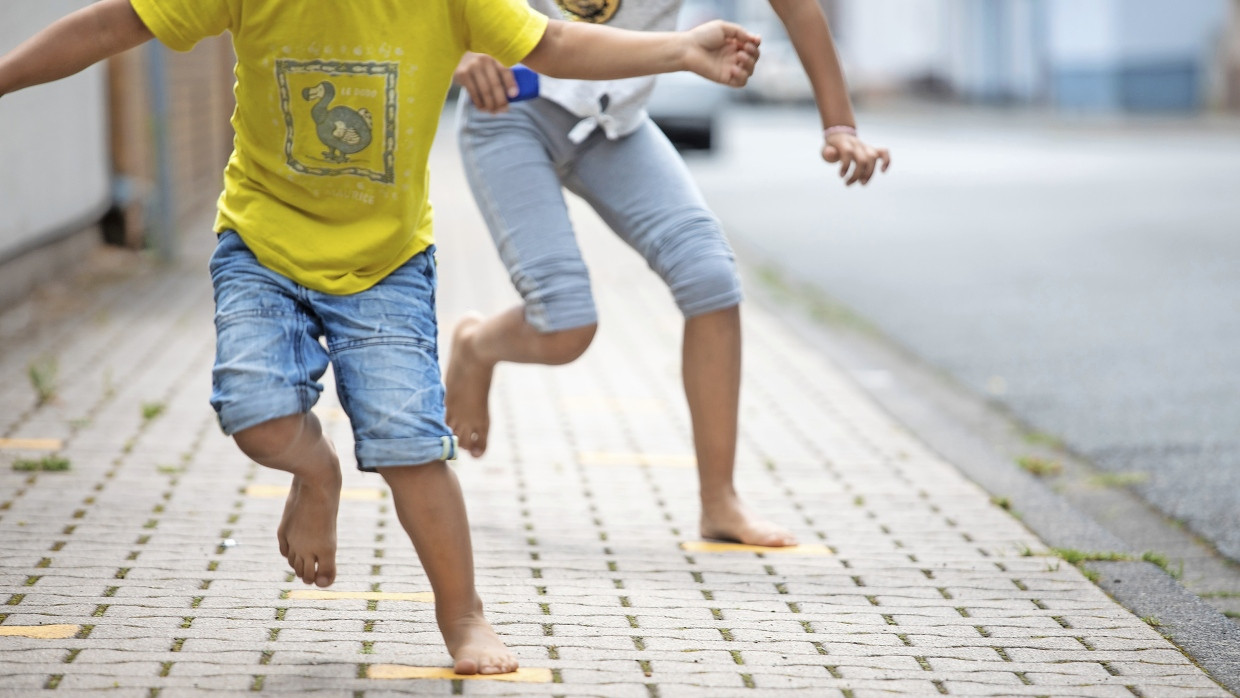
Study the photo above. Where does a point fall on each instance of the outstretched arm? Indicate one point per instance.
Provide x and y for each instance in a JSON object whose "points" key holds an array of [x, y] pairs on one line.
{"points": [[811, 37], [73, 43], [719, 51]]}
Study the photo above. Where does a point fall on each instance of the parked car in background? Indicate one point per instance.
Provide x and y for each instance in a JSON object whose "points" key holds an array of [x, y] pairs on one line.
{"points": [[686, 107], [778, 77]]}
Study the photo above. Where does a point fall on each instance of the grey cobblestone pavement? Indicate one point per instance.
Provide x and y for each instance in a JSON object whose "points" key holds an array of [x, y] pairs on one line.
{"points": [[148, 567]]}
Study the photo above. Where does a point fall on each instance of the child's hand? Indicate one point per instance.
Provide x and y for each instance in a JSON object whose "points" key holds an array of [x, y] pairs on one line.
{"points": [[848, 150], [723, 52], [488, 82]]}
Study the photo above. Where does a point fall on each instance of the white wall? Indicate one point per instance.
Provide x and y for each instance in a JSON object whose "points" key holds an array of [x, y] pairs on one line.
{"points": [[891, 41], [54, 160]]}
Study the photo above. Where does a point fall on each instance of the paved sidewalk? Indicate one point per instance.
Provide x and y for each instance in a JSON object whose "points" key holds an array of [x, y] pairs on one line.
{"points": [[149, 567]]}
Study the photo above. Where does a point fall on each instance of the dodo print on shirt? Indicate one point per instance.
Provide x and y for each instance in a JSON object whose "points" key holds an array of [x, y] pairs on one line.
{"points": [[340, 117]]}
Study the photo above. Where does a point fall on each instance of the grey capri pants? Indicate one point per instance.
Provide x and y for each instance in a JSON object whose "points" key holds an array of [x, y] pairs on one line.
{"points": [[516, 164]]}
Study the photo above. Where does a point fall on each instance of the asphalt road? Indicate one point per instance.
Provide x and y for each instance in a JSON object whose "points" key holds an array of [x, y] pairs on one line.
{"points": [[1083, 273]]}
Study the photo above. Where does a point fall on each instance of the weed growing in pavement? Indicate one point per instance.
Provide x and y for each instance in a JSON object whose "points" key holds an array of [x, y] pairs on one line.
{"points": [[1073, 556], [43, 374], [1041, 467], [1002, 502], [151, 410], [1152, 621], [1037, 438], [1076, 557], [45, 464], [818, 305], [1159, 559], [1119, 479]]}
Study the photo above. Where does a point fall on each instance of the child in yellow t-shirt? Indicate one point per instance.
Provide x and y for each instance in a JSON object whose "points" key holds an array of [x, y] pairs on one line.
{"points": [[325, 232]]}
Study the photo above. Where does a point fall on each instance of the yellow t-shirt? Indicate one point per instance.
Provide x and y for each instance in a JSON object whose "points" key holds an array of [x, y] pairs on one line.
{"points": [[337, 104]]}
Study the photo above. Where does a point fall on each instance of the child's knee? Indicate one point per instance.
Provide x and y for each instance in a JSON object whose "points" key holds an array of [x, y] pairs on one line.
{"points": [[565, 346], [709, 283], [698, 265], [266, 442]]}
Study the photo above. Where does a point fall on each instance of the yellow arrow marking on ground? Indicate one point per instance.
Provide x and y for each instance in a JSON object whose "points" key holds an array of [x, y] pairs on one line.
{"points": [[398, 671], [276, 491], [311, 594], [669, 460], [41, 632], [702, 546], [32, 444]]}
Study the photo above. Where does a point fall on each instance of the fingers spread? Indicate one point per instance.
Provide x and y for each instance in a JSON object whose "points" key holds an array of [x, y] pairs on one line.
{"points": [[846, 161], [855, 156], [866, 170]]}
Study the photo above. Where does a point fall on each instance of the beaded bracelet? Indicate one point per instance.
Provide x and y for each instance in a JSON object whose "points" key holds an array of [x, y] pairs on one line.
{"points": [[850, 130]]}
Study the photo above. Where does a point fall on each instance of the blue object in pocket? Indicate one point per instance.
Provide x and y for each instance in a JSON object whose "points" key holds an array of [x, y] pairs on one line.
{"points": [[527, 83]]}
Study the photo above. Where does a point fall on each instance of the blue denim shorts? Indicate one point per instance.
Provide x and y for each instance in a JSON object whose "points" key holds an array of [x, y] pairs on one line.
{"points": [[381, 343]]}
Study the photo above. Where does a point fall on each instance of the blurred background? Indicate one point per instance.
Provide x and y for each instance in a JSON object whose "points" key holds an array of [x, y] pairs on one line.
{"points": [[1058, 233], [1095, 56], [149, 124]]}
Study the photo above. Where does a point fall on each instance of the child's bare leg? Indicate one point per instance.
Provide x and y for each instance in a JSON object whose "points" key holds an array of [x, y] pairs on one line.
{"points": [[712, 378], [432, 511], [478, 344], [307, 532]]}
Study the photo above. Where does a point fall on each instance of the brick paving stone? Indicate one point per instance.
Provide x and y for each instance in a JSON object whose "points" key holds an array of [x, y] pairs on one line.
{"points": [[928, 587], [33, 654], [968, 688]]}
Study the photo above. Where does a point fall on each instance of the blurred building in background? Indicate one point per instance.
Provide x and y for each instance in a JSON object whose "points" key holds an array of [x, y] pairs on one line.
{"points": [[188, 97], [1096, 55], [135, 146], [82, 162]]}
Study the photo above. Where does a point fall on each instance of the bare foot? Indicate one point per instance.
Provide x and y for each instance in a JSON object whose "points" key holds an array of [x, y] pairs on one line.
{"points": [[732, 521], [475, 648], [307, 531], [468, 384]]}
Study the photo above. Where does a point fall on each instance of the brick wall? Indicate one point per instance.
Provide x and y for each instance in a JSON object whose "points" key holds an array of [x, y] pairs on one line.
{"points": [[200, 102]]}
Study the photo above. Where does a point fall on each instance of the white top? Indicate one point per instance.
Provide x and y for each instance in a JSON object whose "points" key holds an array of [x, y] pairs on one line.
{"points": [[616, 106]]}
